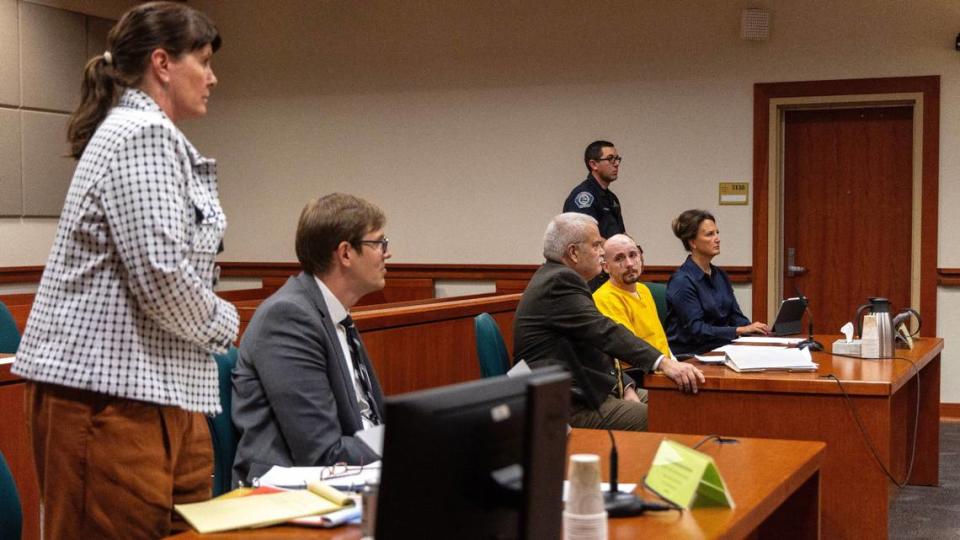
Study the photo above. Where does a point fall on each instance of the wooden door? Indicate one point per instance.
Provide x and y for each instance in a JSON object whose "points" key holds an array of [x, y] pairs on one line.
{"points": [[847, 208]]}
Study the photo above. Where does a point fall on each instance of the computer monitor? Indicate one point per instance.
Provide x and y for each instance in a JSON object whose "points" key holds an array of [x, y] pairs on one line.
{"points": [[483, 459]]}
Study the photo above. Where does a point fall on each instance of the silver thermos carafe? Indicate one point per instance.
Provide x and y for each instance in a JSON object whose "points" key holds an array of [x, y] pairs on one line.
{"points": [[886, 326]]}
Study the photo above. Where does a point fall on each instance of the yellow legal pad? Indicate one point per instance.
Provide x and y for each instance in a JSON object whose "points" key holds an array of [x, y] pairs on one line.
{"points": [[254, 511]]}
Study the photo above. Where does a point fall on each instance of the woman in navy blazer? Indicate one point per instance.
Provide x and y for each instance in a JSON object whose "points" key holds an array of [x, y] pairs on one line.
{"points": [[702, 312]]}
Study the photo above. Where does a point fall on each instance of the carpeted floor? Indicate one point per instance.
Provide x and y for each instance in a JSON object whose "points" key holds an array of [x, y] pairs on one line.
{"points": [[932, 512]]}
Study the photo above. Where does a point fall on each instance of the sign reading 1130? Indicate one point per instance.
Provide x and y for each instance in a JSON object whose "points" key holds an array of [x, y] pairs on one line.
{"points": [[734, 193]]}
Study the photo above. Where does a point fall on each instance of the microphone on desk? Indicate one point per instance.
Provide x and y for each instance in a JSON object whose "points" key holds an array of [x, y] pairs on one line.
{"points": [[809, 343], [616, 504]]}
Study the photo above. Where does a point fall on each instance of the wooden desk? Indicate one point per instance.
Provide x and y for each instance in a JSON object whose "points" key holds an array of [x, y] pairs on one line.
{"points": [[808, 406], [775, 485]]}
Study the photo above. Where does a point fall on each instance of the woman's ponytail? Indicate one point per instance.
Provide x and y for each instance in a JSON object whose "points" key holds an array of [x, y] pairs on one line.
{"points": [[99, 92]]}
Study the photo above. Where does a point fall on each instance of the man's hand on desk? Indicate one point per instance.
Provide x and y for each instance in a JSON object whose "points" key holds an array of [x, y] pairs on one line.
{"points": [[685, 375]]}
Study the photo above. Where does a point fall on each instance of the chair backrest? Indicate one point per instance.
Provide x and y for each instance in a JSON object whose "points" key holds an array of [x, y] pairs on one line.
{"points": [[9, 335], [491, 350], [11, 515], [222, 432], [659, 293]]}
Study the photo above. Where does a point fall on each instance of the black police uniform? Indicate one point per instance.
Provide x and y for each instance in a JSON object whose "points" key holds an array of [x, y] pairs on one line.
{"points": [[591, 199]]}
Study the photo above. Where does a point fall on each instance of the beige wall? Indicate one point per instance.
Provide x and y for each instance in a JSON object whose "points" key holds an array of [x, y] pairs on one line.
{"points": [[467, 120]]}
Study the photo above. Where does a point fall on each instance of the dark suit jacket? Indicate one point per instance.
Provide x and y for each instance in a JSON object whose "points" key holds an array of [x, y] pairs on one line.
{"points": [[293, 399], [557, 306]]}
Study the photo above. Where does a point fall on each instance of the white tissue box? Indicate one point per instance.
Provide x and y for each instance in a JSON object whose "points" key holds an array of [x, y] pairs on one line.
{"points": [[842, 346]]}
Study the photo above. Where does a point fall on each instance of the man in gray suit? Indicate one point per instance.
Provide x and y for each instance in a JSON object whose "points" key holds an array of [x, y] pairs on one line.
{"points": [[558, 323], [303, 385]]}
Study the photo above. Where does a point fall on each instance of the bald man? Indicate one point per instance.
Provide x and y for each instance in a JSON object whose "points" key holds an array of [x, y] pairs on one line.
{"points": [[623, 298]]}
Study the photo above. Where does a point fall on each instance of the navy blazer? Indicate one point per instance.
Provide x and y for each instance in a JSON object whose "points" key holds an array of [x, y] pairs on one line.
{"points": [[702, 312], [294, 402]]}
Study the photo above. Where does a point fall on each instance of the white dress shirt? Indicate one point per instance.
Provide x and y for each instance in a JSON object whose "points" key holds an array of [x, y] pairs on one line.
{"points": [[337, 314]]}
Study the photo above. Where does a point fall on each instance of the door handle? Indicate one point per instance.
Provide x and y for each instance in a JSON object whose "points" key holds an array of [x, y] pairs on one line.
{"points": [[792, 268]]}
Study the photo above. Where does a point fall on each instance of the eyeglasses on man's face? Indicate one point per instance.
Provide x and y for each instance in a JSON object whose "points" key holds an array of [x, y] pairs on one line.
{"points": [[384, 243], [613, 159]]}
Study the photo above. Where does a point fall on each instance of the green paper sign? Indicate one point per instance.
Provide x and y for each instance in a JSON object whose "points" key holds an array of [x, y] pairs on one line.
{"points": [[686, 477]]}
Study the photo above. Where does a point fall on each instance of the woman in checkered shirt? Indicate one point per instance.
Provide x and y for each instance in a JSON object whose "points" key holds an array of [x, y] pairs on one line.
{"points": [[117, 347]]}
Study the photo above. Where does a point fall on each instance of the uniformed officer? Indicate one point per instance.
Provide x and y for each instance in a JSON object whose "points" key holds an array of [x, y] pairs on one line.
{"points": [[593, 196]]}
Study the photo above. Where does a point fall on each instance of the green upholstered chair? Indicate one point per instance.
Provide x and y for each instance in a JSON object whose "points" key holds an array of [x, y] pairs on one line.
{"points": [[9, 335], [491, 350], [659, 293], [11, 515], [222, 432]]}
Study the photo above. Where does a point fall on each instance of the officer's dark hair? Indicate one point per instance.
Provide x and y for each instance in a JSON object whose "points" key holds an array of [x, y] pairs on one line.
{"points": [[595, 151], [329, 220], [687, 224]]}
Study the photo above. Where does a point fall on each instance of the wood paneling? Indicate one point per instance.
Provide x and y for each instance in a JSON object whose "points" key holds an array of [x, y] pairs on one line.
{"points": [[20, 274], [950, 411], [929, 87], [422, 344], [948, 277], [400, 290], [418, 347], [16, 449]]}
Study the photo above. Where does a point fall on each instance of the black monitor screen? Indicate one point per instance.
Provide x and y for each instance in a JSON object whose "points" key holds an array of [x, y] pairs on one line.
{"points": [[482, 459]]}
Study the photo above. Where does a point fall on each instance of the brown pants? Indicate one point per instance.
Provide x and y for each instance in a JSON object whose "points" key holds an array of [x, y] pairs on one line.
{"points": [[617, 414], [113, 468]]}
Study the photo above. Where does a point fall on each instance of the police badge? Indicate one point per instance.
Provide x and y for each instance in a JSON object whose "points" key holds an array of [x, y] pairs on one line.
{"points": [[584, 199]]}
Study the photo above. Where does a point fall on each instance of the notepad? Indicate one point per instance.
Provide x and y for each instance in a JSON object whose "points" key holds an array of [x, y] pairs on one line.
{"points": [[225, 514], [748, 359]]}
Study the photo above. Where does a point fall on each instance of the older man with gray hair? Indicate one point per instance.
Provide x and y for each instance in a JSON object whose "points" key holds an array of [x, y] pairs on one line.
{"points": [[557, 323]]}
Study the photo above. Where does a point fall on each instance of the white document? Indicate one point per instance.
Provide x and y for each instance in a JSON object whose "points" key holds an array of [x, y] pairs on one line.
{"points": [[298, 477], [761, 358], [736, 348], [372, 437], [7, 360], [769, 340], [351, 514], [746, 359], [711, 359], [520, 368]]}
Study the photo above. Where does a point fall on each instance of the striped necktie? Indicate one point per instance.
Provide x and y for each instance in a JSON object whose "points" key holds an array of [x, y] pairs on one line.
{"points": [[368, 405]]}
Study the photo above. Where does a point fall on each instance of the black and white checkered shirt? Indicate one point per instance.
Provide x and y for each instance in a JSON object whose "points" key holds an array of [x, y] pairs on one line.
{"points": [[126, 305]]}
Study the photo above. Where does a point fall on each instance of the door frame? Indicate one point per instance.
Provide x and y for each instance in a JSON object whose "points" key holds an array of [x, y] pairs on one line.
{"points": [[770, 102]]}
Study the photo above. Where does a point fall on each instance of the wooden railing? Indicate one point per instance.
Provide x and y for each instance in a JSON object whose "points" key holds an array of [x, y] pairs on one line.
{"points": [[405, 282], [422, 344]]}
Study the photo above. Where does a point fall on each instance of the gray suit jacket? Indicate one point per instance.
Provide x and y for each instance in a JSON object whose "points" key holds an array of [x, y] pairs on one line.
{"points": [[557, 309], [294, 402]]}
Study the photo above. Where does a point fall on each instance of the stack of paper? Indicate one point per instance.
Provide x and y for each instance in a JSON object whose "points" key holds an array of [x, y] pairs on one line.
{"points": [[251, 509], [748, 358], [765, 340], [352, 479]]}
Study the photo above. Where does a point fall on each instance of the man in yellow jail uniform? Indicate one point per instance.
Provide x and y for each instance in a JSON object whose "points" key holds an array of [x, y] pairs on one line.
{"points": [[623, 298]]}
